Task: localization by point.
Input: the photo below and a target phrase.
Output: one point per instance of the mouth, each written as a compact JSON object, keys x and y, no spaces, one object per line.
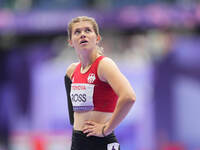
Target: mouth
{"x":83,"y":42}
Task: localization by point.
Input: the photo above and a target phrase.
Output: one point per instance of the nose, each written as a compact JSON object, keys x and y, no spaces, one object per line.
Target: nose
{"x":82,"y":35}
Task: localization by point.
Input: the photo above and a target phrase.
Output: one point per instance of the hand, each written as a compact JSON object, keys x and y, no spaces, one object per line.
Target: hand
{"x":92,"y":128}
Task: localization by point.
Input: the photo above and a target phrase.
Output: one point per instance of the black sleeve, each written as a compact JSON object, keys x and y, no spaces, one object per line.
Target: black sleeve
{"x":70,"y":108}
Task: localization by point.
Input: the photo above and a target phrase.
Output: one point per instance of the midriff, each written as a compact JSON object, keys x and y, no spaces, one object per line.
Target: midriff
{"x":96,"y":116}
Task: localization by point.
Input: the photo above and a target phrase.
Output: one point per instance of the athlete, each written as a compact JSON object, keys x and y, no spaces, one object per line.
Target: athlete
{"x":100,"y":95}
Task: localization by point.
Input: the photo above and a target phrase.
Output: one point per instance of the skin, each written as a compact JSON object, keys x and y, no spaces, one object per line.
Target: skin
{"x":92,"y":122}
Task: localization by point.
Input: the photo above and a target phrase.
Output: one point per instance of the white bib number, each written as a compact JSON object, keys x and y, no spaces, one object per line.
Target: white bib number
{"x":82,"y":96}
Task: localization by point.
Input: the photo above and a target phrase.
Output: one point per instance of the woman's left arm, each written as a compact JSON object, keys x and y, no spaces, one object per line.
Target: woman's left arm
{"x":109,"y":72}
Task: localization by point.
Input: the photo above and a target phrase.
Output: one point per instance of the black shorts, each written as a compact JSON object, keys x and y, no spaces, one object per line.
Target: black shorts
{"x":81,"y":142}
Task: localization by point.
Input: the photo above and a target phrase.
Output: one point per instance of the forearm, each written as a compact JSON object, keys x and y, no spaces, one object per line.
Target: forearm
{"x":121,"y":110}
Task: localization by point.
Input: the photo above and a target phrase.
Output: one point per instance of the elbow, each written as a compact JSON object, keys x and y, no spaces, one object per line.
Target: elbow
{"x":130,"y":98}
{"x":133,"y":98}
{"x":127,"y":96}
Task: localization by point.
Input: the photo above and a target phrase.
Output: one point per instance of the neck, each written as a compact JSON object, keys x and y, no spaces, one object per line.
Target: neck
{"x":88,"y":58}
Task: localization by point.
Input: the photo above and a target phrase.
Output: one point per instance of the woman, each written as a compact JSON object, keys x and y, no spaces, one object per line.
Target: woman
{"x":100,"y":94}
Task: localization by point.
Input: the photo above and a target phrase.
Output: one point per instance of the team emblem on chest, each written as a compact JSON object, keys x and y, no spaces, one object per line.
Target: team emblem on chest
{"x":91,"y":78}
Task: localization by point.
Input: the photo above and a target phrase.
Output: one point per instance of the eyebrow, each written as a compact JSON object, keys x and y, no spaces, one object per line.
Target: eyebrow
{"x":82,"y":28}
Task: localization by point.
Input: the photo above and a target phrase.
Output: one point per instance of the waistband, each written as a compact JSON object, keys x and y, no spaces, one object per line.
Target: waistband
{"x":85,"y":135}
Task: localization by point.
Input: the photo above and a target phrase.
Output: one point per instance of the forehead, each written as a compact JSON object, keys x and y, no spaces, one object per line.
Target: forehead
{"x":82,"y":24}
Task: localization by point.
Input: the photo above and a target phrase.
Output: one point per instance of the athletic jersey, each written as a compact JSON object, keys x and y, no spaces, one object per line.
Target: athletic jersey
{"x":88,"y":92}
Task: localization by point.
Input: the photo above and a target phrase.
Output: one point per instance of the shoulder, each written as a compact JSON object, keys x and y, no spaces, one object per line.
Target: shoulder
{"x":107,"y":67}
{"x":106,"y":62}
{"x":71,"y":69}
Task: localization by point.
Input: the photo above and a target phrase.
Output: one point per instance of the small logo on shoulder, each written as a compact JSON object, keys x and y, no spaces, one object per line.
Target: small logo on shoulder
{"x":91,"y":78}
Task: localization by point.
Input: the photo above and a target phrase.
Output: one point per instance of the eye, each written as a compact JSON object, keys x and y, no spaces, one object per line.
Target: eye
{"x":77,"y":31}
{"x":87,"y":30}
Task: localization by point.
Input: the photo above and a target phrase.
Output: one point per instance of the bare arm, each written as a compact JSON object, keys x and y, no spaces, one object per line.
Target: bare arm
{"x":68,"y":82}
{"x":70,"y":69}
{"x":109,"y":72}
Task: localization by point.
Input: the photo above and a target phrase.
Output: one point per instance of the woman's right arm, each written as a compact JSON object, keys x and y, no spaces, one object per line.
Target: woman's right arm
{"x":70,"y":69}
{"x":68,"y":83}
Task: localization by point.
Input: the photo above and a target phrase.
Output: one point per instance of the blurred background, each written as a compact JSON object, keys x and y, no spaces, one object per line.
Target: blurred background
{"x":155,"y":43}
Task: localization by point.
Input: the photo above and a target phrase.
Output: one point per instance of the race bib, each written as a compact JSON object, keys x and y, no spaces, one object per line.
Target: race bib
{"x":82,"y":96}
{"x":113,"y":146}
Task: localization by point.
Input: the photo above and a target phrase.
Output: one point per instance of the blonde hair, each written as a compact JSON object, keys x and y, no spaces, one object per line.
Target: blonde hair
{"x":89,"y":19}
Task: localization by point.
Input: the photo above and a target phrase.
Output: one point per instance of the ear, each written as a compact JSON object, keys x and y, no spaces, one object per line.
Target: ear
{"x":98,"y":38}
{"x":70,"y":43}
